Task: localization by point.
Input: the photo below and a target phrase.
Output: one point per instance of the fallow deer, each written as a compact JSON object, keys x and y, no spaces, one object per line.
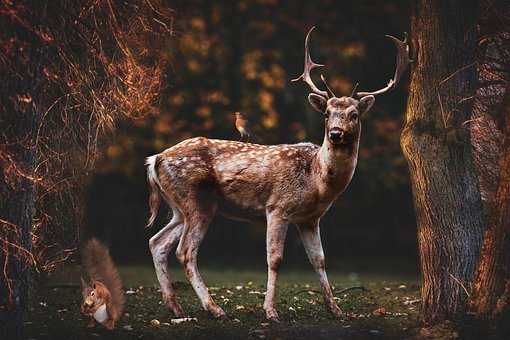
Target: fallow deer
{"x":279,"y":184}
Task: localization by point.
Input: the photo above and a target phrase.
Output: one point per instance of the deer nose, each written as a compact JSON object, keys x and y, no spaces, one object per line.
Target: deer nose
{"x":336,"y":135}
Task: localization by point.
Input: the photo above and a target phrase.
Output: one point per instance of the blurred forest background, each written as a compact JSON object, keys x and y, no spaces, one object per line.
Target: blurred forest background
{"x":229,"y":56}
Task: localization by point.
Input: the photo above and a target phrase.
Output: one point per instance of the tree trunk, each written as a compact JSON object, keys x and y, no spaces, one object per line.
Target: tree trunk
{"x":445,"y":185}
{"x":492,"y":281}
{"x":18,"y":204}
{"x":19,"y":210}
{"x":21,"y":97}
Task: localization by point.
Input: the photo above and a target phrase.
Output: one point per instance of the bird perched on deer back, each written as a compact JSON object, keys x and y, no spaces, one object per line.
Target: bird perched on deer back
{"x":243,"y":126}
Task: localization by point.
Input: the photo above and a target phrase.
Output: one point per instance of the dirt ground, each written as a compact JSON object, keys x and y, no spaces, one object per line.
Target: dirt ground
{"x":386,"y":308}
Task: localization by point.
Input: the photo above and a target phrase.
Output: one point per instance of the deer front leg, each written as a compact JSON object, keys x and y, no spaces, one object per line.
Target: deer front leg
{"x":311,"y":237}
{"x":161,"y":245}
{"x":276,"y":232}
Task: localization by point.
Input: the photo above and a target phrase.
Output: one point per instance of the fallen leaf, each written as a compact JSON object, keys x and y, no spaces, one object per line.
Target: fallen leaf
{"x":411,"y":302}
{"x":400,"y":314}
{"x":181,"y":320}
{"x":379,"y":311}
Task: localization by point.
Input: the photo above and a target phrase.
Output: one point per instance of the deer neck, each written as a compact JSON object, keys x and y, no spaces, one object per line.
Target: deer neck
{"x":334,"y":165}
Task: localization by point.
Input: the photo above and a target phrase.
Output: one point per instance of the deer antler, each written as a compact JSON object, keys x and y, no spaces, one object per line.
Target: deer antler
{"x":403,"y":62}
{"x":310,"y":65}
{"x":330,"y":91}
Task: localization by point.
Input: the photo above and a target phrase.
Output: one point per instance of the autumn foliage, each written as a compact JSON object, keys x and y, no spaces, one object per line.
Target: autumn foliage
{"x":70,"y":71}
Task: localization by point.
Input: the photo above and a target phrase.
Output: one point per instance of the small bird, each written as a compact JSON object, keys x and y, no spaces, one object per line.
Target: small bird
{"x":242,"y":125}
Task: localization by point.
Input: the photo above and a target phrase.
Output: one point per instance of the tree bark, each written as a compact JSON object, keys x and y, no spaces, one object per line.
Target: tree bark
{"x":491,"y":287}
{"x":444,"y":182}
{"x":20,"y":97}
{"x":18,"y":209}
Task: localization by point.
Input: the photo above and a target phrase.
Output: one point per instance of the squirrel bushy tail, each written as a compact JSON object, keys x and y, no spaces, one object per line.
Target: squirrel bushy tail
{"x":100,"y":267}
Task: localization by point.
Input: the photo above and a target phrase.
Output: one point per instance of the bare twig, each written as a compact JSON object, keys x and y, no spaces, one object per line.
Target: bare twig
{"x":460,"y":284}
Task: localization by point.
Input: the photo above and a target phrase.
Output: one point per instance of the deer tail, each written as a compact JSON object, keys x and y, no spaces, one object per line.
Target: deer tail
{"x":155,"y":196}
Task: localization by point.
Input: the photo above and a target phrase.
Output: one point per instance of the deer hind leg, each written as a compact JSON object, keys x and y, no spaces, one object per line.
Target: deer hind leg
{"x":161,"y":245}
{"x":310,"y":235}
{"x":275,"y":241}
{"x":197,"y":222}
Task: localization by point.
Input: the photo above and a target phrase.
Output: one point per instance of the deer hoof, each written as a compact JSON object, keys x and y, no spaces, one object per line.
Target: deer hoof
{"x":217,"y":312}
{"x":272,"y":315}
{"x":336,"y":311}
{"x":176,"y":309}
{"x":174,"y":306}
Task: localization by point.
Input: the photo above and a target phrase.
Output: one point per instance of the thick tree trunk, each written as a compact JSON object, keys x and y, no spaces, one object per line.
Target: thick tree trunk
{"x":491,"y":288}
{"x":20,"y":97}
{"x":17,"y":202}
{"x":18,"y":209}
{"x":445,"y":186}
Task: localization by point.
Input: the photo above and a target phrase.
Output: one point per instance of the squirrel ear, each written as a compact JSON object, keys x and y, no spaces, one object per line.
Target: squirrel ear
{"x":82,"y":282}
{"x":94,"y":285}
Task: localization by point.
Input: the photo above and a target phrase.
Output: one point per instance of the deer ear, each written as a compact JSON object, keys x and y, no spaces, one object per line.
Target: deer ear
{"x":365,"y":104}
{"x":318,"y":102}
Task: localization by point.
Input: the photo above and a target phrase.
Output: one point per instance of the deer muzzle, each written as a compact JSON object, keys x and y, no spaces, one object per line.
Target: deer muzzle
{"x":336,"y":135}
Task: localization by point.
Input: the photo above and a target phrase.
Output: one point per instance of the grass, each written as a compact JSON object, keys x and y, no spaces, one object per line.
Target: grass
{"x":389,"y":308}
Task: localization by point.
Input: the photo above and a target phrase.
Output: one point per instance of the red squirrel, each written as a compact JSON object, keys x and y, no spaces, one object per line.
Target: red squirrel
{"x":103,"y":296}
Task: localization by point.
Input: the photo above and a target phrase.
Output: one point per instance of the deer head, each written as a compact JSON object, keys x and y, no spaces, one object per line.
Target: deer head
{"x":342,"y":114}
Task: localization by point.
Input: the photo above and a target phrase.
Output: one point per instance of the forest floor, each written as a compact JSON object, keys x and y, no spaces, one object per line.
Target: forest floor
{"x":387,"y":309}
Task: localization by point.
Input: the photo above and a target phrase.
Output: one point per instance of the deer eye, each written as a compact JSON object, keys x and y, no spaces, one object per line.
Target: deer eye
{"x":354,"y":116}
